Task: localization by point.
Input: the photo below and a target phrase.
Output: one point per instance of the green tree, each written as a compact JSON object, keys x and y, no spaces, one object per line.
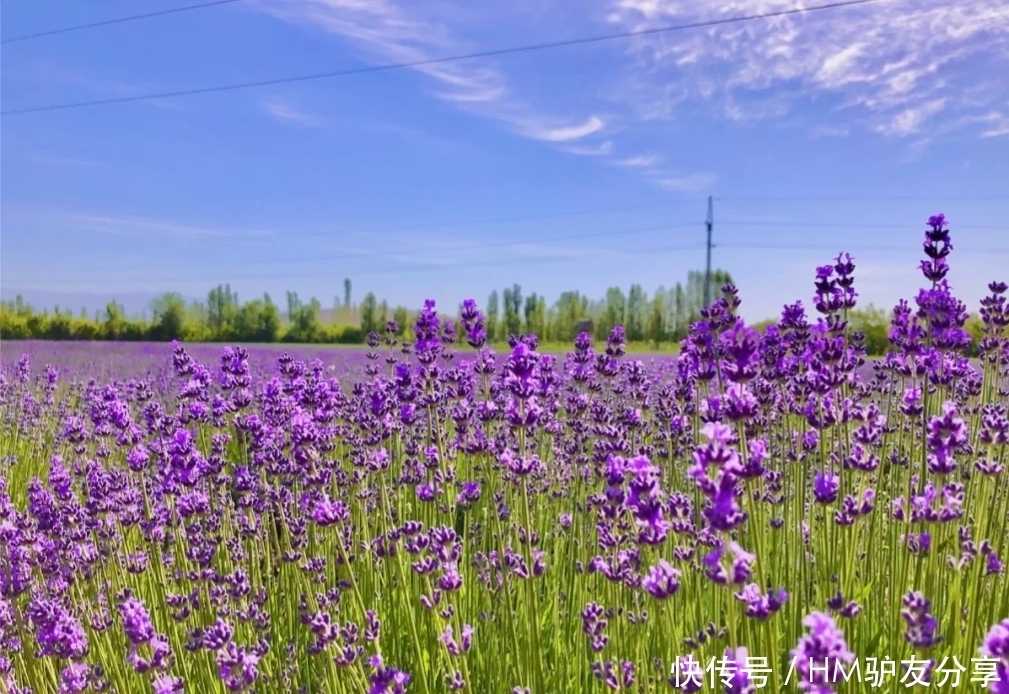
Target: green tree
{"x":874,"y":323}
{"x":492,"y":318}
{"x":695,"y":292}
{"x":247,"y":320}
{"x":527,"y":311}
{"x":370,"y":321}
{"x":534,"y":312}
{"x":681,"y":312}
{"x":258,"y":321}
{"x":634,"y":323}
{"x":656,"y":331}
{"x":570,"y":308}
{"x":614,"y":311}
{"x":269,"y":321}
{"x":293,"y":305}
{"x":975,"y":328}
{"x":59,"y":326}
{"x":346,"y":292}
{"x":513,"y":310}
{"x":115,"y":321}
{"x":222,"y":309}
{"x":402,"y":318}
{"x":305,"y":325}
{"x":169,"y":314}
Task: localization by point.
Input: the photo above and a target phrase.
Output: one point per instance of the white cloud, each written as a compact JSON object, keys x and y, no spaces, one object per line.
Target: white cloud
{"x":909,"y":121}
{"x":891,"y":63}
{"x":126,"y":225}
{"x":831,"y":131}
{"x":566,"y":133}
{"x":996,"y":124}
{"x":401,"y":32}
{"x":692,"y":183}
{"x":387,"y":31}
{"x":641,"y":161}
{"x":52,"y":74}
{"x":145,"y":226}
{"x":599,"y":150}
{"x":836,"y":69}
{"x":285,"y":112}
{"x":527,"y":251}
{"x":904,"y":68}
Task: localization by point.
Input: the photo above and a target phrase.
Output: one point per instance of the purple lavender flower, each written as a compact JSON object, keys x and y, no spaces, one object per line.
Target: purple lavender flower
{"x":453,"y":647}
{"x":136,"y":621}
{"x":426,"y":331}
{"x":58,"y":633}
{"x":945,"y":435}
{"x":237,"y":667}
{"x":758,"y":605}
{"x":739,"y":572}
{"x":662,"y":580}
{"x":74,"y":679}
{"x":166,"y":684}
{"x":996,"y":646}
{"x":594,"y":626}
{"x":736,"y":674}
{"x":329,"y":512}
{"x":819,"y":654}
{"x":825,"y":487}
{"x":386,"y":680}
{"x":937,"y":247}
{"x":921,"y":625}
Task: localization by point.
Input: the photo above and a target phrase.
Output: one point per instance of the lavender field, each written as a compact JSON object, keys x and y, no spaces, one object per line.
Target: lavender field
{"x":764,"y":511}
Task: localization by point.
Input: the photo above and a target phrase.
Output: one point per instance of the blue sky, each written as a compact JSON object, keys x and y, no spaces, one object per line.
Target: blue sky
{"x":574,"y":168}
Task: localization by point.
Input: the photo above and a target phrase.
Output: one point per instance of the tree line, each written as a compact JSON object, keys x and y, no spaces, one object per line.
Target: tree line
{"x":662,"y":318}
{"x":223,"y":317}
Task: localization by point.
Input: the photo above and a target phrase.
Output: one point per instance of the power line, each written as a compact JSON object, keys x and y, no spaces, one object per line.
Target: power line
{"x":434,"y":61}
{"x":513,"y":220}
{"x":846,"y":247}
{"x":426,"y":226}
{"x":843,"y":225}
{"x":313,"y":231}
{"x":862,"y":198}
{"x":549,"y":215}
{"x":459,"y":265}
{"x":425,"y":251}
{"x":120,"y":20}
{"x":566,"y":237}
{"x":465,"y":265}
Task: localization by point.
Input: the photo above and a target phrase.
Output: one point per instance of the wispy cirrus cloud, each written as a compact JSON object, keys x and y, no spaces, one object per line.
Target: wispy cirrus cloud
{"x":909,"y":120}
{"x":691,"y":183}
{"x":641,"y":161}
{"x":443,"y":251}
{"x":411,"y":259}
{"x":993,"y":123}
{"x":402,"y":32}
{"x":51,"y":74}
{"x":127,"y":225}
{"x":399,"y":31}
{"x":899,"y":67}
{"x":830,"y":131}
{"x":568,"y":133}
{"x":137,"y":225}
{"x":286,"y":112}
{"x":602,"y":149}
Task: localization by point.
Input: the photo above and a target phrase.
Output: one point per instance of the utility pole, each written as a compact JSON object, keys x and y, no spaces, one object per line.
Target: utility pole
{"x":707,"y":269}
